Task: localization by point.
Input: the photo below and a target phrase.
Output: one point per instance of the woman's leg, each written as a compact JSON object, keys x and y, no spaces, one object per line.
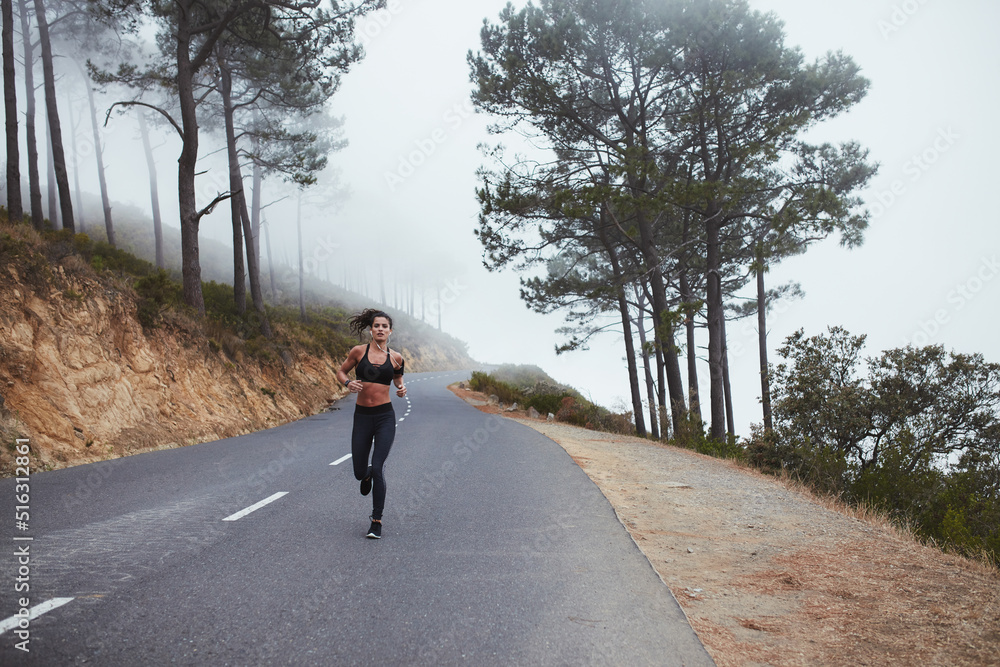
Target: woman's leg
{"x":361,"y":443}
{"x":385,"y":433}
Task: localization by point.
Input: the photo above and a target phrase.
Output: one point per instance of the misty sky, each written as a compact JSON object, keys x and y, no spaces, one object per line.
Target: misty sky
{"x":927,"y":273}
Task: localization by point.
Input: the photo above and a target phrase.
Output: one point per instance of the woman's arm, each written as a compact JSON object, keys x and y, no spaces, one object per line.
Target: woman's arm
{"x":397,"y":377}
{"x":353,"y":357}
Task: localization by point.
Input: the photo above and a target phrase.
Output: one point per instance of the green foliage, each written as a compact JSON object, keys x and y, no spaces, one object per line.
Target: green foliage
{"x":546,"y":403}
{"x":914,"y":432}
{"x":521,"y":375}
{"x":260,"y":348}
{"x":487,"y":384}
{"x":100,"y":254}
{"x":691,"y":434}
{"x":156,"y":291}
{"x":326,"y":330}
{"x":565,"y":404}
{"x":19,"y":253}
{"x":220,"y":301}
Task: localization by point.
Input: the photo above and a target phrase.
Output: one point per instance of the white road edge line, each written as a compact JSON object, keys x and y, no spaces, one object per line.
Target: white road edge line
{"x":33,"y":613}
{"x":340,"y":460}
{"x":256,"y":506}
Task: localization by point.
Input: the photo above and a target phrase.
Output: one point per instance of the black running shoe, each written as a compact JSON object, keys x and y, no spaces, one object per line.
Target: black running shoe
{"x":375,"y":532}
{"x":366,"y":483}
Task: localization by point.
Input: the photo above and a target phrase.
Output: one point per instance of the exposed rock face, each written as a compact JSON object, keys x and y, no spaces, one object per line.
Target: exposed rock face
{"x":81,"y":374}
{"x":88,"y":382}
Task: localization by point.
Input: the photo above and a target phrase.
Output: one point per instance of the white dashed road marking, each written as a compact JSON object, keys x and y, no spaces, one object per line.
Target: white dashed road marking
{"x":33,"y":613}
{"x":340,"y":460}
{"x":256,"y":506}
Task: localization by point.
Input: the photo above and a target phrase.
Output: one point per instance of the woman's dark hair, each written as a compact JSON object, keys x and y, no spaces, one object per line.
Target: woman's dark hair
{"x":365,"y":318}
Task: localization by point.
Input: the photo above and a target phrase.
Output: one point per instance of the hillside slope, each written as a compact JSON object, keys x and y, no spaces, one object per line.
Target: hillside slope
{"x":82,"y":378}
{"x":769,"y":573}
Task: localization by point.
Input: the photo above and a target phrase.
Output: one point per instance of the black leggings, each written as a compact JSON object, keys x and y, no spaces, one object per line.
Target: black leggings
{"x":378,"y":424}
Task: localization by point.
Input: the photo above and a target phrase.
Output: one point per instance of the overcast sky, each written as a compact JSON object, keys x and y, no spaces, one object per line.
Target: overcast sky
{"x":928,"y":270}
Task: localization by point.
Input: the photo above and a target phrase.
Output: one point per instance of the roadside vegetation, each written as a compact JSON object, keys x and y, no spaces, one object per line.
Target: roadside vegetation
{"x":911,"y":435}
{"x":530,"y":387}
{"x":41,"y":258}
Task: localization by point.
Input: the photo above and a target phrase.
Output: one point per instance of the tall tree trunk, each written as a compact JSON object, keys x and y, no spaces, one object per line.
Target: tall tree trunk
{"x":241,"y":216}
{"x":661,"y":384}
{"x":633,"y":371}
{"x":255,"y":228}
{"x":187,"y":163}
{"x":74,"y":127}
{"x":654,"y":422}
{"x":109,"y":225}
{"x":15,"y":210}
{"x":34,"y":181}
{"x":623,"y":309}
{"x":727,"y":387}
{"x":55,"y":129}
{"x":53,"y":209}
{"x":239,"y":200}
{"x":302,"y":270}
{"x":257,"y":180}
{"x":692,"y":357}
{"x":235,"y":184}
{"x":716,"y":335}
{"x":765,"y":383}
{"x":270,"y":260}
{"x":661,"y":323}
{"x":253,"y":267}
{"x":154,"y":190}
{"x":689,"y":301}
{"x":661,"y":370}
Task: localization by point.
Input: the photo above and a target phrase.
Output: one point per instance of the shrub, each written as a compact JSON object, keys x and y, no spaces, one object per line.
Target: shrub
{"x":116,"y":259}
{"x":487,"y":384}
{"x":156,"y":291}
{"x":546,"y":403}
{"x":571,"y":413}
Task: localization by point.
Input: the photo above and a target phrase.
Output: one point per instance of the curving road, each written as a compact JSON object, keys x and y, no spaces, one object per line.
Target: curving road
{"x":497,"y":550}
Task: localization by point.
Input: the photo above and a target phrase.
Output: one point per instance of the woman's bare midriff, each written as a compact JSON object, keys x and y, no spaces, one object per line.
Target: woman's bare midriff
{"x":373,"y":394}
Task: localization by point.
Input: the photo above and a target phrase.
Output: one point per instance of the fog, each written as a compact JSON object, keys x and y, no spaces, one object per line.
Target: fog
{"x":927,"y":272}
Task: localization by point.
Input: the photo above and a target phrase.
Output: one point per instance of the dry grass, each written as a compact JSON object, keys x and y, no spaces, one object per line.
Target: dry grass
{"x":811,"y":588}
{"x":876,"y":518}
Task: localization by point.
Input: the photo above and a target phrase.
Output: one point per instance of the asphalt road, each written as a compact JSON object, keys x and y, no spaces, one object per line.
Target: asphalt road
{"x":497,"y":550}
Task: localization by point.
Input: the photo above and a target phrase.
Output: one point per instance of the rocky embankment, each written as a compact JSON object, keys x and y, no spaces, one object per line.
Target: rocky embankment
{"x":84,"y":381}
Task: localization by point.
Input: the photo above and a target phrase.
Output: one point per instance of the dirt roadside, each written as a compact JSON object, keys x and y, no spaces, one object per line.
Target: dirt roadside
{"x":771,"y":575}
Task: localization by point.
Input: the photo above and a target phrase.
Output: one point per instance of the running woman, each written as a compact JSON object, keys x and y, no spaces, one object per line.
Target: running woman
{"x":375,"y":367}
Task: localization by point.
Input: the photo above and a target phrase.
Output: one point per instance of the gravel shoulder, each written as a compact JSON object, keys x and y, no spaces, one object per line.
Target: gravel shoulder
{"x":772,"y":575}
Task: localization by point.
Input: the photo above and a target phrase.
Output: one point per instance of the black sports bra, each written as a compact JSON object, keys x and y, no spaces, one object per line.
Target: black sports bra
{"x":366,"y":371}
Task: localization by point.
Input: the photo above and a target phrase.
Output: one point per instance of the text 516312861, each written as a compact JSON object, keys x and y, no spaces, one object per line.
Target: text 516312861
{"x":22,"y":541}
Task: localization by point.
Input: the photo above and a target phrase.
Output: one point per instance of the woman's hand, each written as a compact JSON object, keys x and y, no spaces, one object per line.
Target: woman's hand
{"x":401,"y":391}
{"x":354,"y":386}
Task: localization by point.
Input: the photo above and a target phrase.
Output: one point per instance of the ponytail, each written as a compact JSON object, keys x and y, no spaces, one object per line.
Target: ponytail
{"x":365,"y":318}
